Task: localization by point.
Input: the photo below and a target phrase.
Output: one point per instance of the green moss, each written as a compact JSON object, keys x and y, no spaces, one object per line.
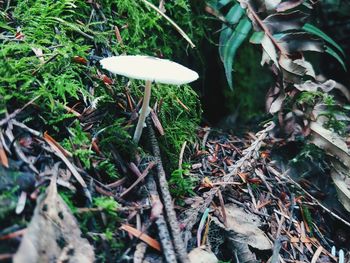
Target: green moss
{"x":108,"y":204}
{"x":73,"y":35}
{"x":179,"y":123}
{"x":182,"y":182}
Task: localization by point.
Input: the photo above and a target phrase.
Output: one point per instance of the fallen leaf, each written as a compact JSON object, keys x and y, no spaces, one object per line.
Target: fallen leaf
{"x":140,"y":235}
{"x":70,"y":166}
{"x":53,"y":233}
{"x":277,"y":103}
{"x":21,"y":203}
{"x":3,"y":157}
{"x":245,"y":227}
{"x":39,"y":54}
{"x":335,"y":146}
{"x":80,"y":60}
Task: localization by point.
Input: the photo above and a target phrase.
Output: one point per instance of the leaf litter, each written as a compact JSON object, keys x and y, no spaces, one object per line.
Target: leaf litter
{"x":255,"y":210}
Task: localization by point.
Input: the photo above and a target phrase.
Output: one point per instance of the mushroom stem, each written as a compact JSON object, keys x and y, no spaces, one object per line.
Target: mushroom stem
{"x":143,"y":113}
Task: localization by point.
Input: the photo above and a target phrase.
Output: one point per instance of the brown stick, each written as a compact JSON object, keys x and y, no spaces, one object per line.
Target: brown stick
{"x":143,"y":175}
{"x":168,"y":204}
{"x":163,"y":232}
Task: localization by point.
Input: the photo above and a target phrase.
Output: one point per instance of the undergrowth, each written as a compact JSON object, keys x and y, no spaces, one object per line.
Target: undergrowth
{"x":49,"y":50}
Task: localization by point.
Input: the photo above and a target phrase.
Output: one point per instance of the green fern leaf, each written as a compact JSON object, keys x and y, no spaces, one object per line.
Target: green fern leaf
{"x":334,"y":54}
{"x":316,"y":31}
{"x":229,"y":48}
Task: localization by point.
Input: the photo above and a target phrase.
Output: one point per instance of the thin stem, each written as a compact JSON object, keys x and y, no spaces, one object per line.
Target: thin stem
{"x":143,"y":113}
{"x":266,"y":30}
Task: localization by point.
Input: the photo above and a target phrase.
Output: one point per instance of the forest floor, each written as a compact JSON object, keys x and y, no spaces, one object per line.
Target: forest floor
{"x":234,"y":201}
{"x":75,"y":187}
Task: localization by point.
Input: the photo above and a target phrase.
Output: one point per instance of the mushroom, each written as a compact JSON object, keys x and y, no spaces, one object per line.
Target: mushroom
{"x":150,"y":69}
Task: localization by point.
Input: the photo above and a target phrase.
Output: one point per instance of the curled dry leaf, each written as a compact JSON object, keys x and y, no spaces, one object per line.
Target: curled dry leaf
{"x":341,"y":179}
{"x":53,"y":233}
{"x":244,"y":228}
{"x":331,"y":142}
{"x":277,"y":103}
{"x":269,"y":49}
{"x":294,"y":70}
{"x":312,"y":86}
{"x":335,"y":146}
{"x":287,"y":5}
{"x":299,"y":42}
{"x":281,"y":22}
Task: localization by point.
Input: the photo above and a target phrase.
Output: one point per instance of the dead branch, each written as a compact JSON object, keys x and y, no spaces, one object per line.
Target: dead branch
{"x":164,"y":189}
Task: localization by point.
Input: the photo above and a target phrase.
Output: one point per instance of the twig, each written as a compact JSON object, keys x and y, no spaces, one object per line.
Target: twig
{"x":241,"y":165}
{"x":139,"y":253}
{"x":163,"y":232}
{"x":201,"y":226}
{"x":313,"y":198}
{"x":168,"y":204}
{"x":276,"y":250}
{"x":182,"y":154}
{"x":13,"y":114}
{"x":143,"y":175}
{"x":223,"y":210}
{"x":69,"y":165}
{"x":266,"y":30}
{"x":182,"y":33}
{"x":205,"y":137}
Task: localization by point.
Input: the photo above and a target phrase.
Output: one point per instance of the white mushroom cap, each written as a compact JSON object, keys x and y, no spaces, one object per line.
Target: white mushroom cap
{"x":149,"y":68}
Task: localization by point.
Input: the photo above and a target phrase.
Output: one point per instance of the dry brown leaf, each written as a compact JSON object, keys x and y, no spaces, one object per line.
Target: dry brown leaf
{"x":157,"y":123}
{"x":331,"y":142}
{"x":53,"y":233}
{"x":3,"y":157}
{"x":70,"y":166}
{"x":311,"y":86}
{"x":47,"y":137}
{"x":317,"y":254}
{"x":144,"y":237}
{"x":335,"y":146}
{"x":246,"y":226}
{"x":341,"y":179}
{"x":277,"y":103}
{"x":287,"y":5}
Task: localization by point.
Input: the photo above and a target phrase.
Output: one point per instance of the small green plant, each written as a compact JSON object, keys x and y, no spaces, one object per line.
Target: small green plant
{"x":79,"y":144}
{"x":335,"y":113}
{"x":108,"y":204}
{"x":108,"y":168}
{"x":182,"y":182}
{"x":308,"y":218}
{"x":309,"y":153}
